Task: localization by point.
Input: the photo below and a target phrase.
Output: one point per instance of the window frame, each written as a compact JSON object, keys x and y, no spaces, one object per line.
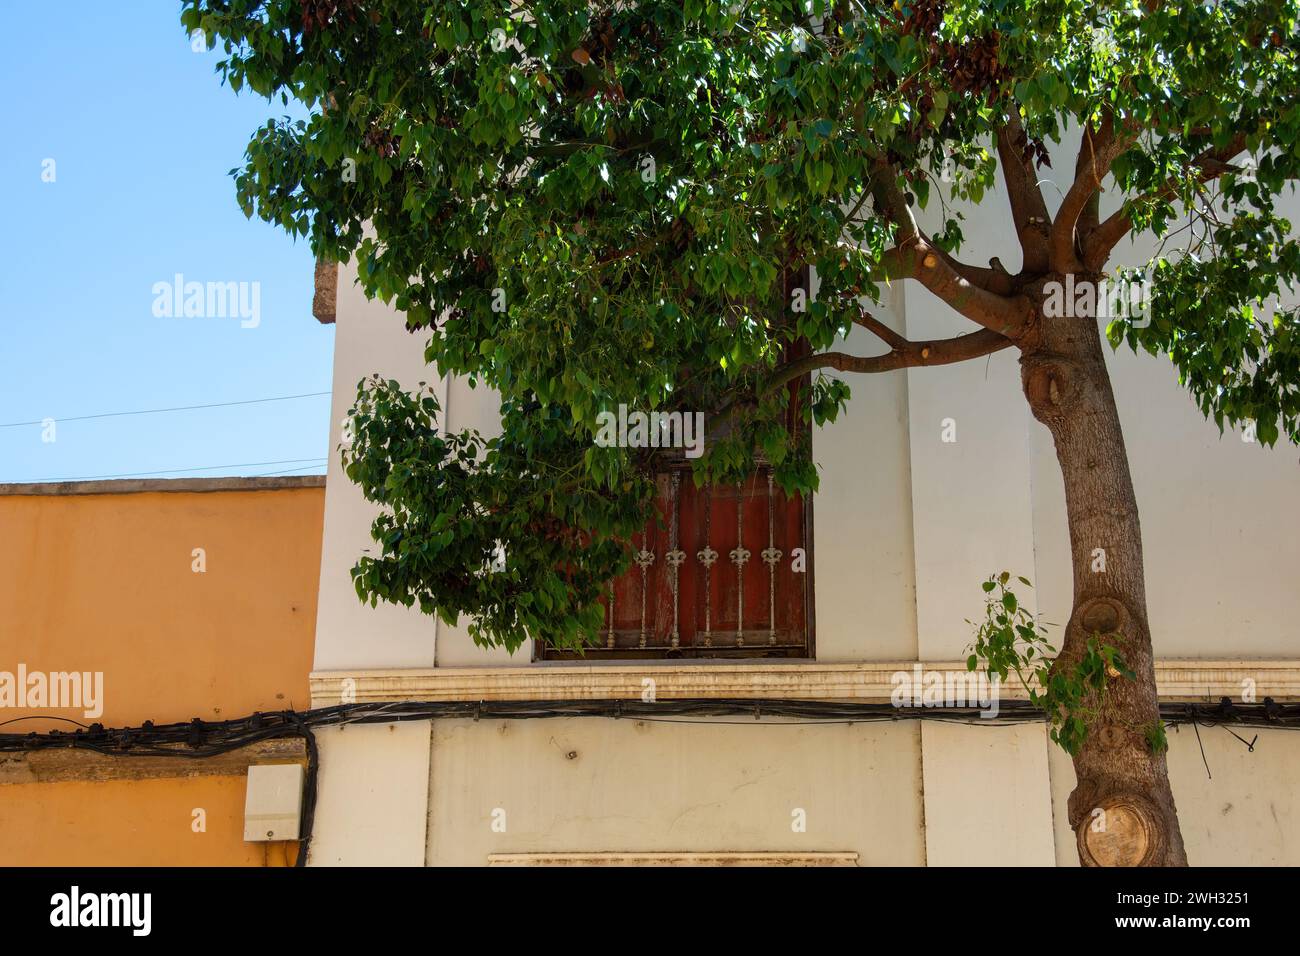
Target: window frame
{"x":545,"y":653}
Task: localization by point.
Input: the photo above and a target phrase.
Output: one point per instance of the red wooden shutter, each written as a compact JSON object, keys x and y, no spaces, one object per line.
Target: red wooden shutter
{"x":717,"y":575}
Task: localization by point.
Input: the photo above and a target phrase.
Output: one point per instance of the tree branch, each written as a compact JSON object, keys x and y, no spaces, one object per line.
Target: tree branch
{"x":1028,"y":210}
{"x":907,"y":354}
{"x":880,"y":329}
{"x":913,"y":257}
{"x":997,"y":280}
{"x":1097,"y":153}
{"x":1101,"y":241}
{"x":1009,"y":316}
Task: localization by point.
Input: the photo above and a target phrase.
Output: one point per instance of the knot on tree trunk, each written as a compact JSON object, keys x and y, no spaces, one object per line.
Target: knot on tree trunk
{"x":1052,"y":385}
{"x":1118,"y":828}
{"x":1095,"y":615}
{"x":1102,"y":615}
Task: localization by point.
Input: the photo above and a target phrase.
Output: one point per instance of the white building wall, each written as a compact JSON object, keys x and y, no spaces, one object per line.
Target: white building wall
{"x":864,"y":571}
{"x":1236,"y":807}
{"x":987,"y":795}
{"x":605,"y":785}
{"x":371,"y":338}
{"x":373,"y":786}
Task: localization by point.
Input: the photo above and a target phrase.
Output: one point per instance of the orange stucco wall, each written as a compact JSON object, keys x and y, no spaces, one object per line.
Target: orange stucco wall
{"x":107,"y":583}
{"x":131,"y":823}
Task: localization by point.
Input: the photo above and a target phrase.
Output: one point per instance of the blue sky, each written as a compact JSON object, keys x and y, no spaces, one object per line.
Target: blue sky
{"x":143,"y":135}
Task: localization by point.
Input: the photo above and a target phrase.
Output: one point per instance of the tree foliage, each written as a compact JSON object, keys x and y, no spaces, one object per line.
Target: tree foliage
{"x":1011,"y":641}
{"x":588,"y":204}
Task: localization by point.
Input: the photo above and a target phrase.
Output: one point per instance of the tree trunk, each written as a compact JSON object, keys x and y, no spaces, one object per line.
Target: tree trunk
{"x":1122,"y":809}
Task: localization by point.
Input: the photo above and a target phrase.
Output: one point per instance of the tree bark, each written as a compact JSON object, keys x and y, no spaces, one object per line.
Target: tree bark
{"x":1122,"y":808}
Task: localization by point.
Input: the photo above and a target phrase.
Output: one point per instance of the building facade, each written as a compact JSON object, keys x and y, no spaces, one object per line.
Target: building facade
{"x":933,"y":480}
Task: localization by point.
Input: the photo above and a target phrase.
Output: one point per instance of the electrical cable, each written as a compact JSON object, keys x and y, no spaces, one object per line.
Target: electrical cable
{"x":290,"y":471}
{"x":156,"y":411}
{"x":168,"y":471}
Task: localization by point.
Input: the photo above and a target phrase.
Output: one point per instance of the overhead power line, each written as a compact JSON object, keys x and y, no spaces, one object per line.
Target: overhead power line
{"x":156,"y":411}
{"x":168,"y":471}
{"x":290,"y":471}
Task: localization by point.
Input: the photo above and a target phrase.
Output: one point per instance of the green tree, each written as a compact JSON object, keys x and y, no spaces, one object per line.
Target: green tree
{"x":587,"y":203}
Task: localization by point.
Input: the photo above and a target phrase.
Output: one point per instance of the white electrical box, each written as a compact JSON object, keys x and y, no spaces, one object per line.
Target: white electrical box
{"x":273,"y":802}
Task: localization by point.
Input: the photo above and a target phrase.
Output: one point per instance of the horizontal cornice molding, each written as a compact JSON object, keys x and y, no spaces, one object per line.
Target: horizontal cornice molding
{"x":136,"y":486}
{"x":62,"y":764}
{"x":756,"y":858}
{"x":1190,"y":680}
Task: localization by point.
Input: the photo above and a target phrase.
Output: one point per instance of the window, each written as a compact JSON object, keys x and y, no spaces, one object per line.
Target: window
{"x":726,"y":572}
